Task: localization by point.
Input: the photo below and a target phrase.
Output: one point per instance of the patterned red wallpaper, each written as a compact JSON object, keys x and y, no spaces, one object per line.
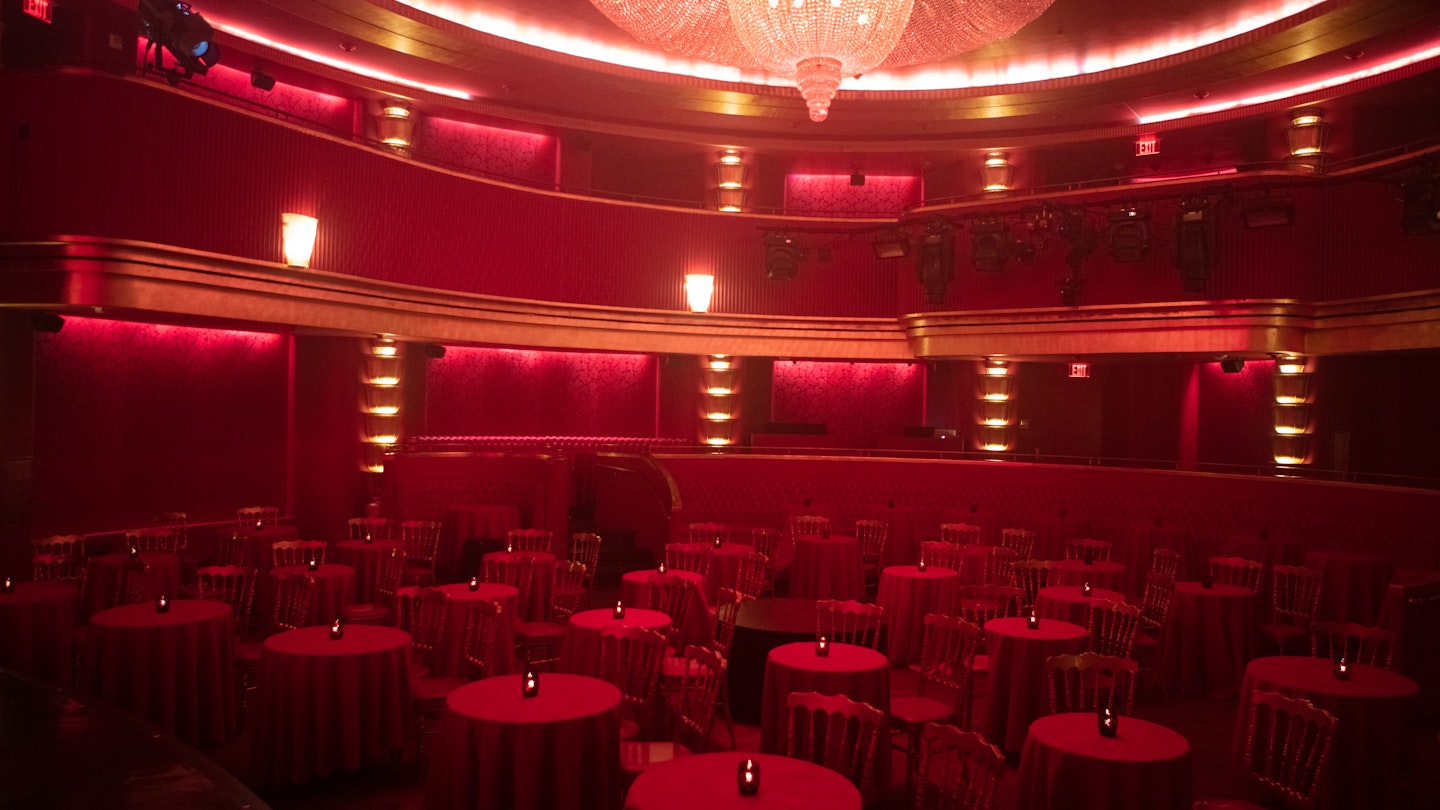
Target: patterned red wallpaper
{"x":1237,"y":414}
{"x":834,"y":194}
{"x":477,"y":391}
{"x":499,"y":153}
{"x":334,"y":113}
{"x":859,"y":402}
{"x":136,"y":419}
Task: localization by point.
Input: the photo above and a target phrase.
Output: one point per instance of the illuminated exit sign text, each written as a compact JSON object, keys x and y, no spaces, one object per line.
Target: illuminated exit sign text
{"x":1147,"y":145}
{"x":1079,"y":369}
{"x":39,"y":9}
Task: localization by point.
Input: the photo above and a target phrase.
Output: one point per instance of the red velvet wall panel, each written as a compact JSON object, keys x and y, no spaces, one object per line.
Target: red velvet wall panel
{"x":136,"y":419}
{"x":472,"y":391}
{"x":335,"y":114}
{"x":835,"y":194}
{"x":1237,"y":415}
{"x":499,"y":153}
{"x":857,"y":402}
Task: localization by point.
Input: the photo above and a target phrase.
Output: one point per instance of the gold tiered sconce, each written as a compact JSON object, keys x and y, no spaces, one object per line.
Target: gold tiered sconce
{"x":379,"y":401}
{"x":994,"y":406}
{"x":1293,"y":394}
{"x":719,"y":400}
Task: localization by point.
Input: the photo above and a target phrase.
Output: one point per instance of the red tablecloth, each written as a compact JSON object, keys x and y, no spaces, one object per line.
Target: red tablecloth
{"x":827,"y":568}
{"x":449,"y":657}
{"x":858,"y":673}
{"x":972,"y":569}
{"x":498,"y":750}
{"x":1017,"y":690}
{"x":1067,"y":765}
{"x":1211,"y":636}
{"x":542,"y":586}
{"x":1354,"y":584}
{"x":1270,"y":550}
{"x":1065,"y":603}
{"x":489,"y":521}
{"x":580,"y":649}
{"x":1109,"y":575}
{"x":175,"y":669}
{"x":333,"y":586}
{"x":1369,"y":710}
{"x":102,"y":574}
{"x":365,"y":559}
{"x":699,"y":627}
{"x":259,"y":555}
{"x":785,"y":784}
{"x":330,"y":705}
{"x":907,"y":594}
{"x":37,"y":622}
{"x":724,"y":567}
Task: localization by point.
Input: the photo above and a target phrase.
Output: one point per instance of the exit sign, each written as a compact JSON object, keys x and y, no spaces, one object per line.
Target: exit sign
{"x":39,"y":9}
{"x":1147,"y":145}
{"x":1079,"y":369}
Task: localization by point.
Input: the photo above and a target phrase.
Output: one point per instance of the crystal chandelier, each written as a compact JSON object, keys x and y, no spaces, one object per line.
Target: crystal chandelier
{"x":816,"y":42}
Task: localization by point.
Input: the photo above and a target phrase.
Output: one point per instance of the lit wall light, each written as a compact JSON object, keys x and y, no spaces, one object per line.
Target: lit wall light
{"x":1292,"y":389}
{"x":998,"y":172}
{"x":1306,"y":138}
{"x":1291,"y":450}
{"x":719,"y":362}
{"x":731,"y":175}
{"x":1290,"y":365}
{"x":297,"y":238}
{"x":1292,"y":419}
{"x":719,"y":405}
{"x":384,"y":347}
{"x":395,"y":126}
{"x":382,"y":370}
{"x":996,"y":368}
{"x":699,"y":288}
{"x":993,"y":413}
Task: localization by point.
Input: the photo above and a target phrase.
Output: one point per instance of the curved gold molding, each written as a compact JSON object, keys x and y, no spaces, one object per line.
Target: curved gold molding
{"x":139,"y":280}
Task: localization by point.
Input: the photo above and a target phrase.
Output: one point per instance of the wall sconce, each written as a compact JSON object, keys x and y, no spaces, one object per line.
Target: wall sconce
{"x":992,"y":409}
{"x":719,"y":403}
{"x":993,"y":413}
{"x":699,"y":287}
{"x":1289,"y":365}
{"x":395,"y":125}
{"x":1291,"y":450}
{"x":380,"y":400}
{"x":998,"y":172}
{"x":730,"y":177}
{"x":1292,"y":389}
{"x":994,"y":389}
{"x":1292,"y":419}
{"x":995,"y":367}
{"x":297,"y":238}
{"x":1291,"y":442}
{"x":1306,"y":139}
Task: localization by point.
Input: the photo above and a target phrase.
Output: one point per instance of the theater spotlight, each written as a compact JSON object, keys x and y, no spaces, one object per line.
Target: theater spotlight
{"x":260,"y":80}
{"x":1129,"y":234}
{"x":1196,"y":243}
{"x":1421,"y":211}
{"x":935,"y":266}
{"x":989,"y":245}
{"x":892,"y":245}
{"x":782,"y":255}
{"x":182,"y":32}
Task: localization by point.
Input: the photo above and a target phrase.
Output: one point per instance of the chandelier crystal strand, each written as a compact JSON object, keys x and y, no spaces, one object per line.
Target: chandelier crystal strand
{"x":819,"y":41}
{"x":699,"y":29}
{"x":940,"y":29}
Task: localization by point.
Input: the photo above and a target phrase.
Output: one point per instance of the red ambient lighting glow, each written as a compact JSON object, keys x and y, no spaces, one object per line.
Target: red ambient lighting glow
{"x":39,"y":9}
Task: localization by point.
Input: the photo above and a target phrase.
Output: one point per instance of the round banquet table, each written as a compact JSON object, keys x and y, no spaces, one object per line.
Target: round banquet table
{"x":365,"y":559}
{"x":329,"y":705}
{"x":699,"y":627}
{"x":499,"y":750}
{"x":1270,"y":550}
{"x":333,"y":585}
{"x":449,"y":657}
{"x":537,"y":607}
{"x":1018,"y":692}
{"x":785,"y":784}
{"x":1064,"y":602}
{"x":761,"y":626}
{"x":1100,"y":574}
{"x":37,"y":622}
{"x":1067,"y":765}
{"x":972,"y":565}
{"x":1211,"y":635}
{"x":1370,"y":713}
{"x":102,"y":575}
{"x":175,"y":669}
{"x":1354,"y":584}
{"x":858,"y":673}
{"x":907,"y":594}
{"x":827,"y":568}
{"x":724,"y":567}
{"x":580,"y":649}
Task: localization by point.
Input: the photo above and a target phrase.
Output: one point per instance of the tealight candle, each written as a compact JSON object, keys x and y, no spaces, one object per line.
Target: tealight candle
{"x":1085,"y":589}
{"x":162,"y":605}
{"x":474,"y":583}
{"x":718,"y":541}
{"x":313,"y":564}
{"x":748,"y":777}
{"x":369,"y":538}
{"x":822,"y":645}
{"x":661,"y":569}
{"x":259,"y":524}
{"x":1032,"y":621}
{"x":1342,"y":669}
{"x":337,"y":631}
{"x":530,"y":683}
{"x":619,"y":610}
{"x":134,"y":552}
{"x":1109,"y":723}
{"x":509,"y":548}
{"x":8,"y":586}
{"x":921,"y":565}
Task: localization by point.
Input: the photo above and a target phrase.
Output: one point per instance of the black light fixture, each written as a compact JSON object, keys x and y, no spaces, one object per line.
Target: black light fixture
{"x":857,"y":179}
{"x":782,"y":255}
{"x":260,"y":80}
{"x":935,"y":266}
{"x":182,"y":32}
{"x":1421,"y":212}
{"x":1269,"y":214}
{"x":1196,"y":242}
{"x":1128,"y":234}
{"x":1232,"y":365}
{"x":892,"y":245}
{"x":989,"y":245}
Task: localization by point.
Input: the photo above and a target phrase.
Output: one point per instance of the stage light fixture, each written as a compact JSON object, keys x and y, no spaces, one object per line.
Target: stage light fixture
{"x":782,"y":255}
{"x":892,"y":245}
{"x":1269,"y":214}
{"x":989,"y":245}
{"x":1128,"y":234}
{"x":1232,"y":365}
{"x":935,"y":266}
{"x":1196,"y":243}
{"x":260,"y":80}
{"x":1421,"y":212}
{"x":857,"y":179}
{"x":182,"y":32}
